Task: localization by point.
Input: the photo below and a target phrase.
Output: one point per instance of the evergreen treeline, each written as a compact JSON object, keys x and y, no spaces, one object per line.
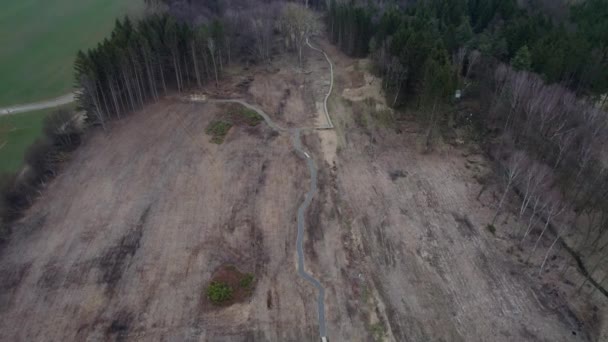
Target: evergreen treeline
{"x":140,"y":62}
{"x":574,"y":53}
{"x":350,"y":27}
{"x":413,"y":58}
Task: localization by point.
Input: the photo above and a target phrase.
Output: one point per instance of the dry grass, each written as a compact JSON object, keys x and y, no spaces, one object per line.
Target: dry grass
{"x":397,"y":238}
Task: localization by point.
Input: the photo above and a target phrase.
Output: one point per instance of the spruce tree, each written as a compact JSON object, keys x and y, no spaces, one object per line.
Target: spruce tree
{"x":522,"y":59}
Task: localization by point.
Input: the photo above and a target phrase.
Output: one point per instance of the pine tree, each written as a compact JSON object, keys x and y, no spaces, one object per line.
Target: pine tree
{"x":463,"y":33}
{"x":522,"y":59}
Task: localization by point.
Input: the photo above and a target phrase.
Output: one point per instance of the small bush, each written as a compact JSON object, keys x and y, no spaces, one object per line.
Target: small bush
{"x":378,"y":331}
{"x":218,"y":131}
{"x":40,"y":157}
{"x":385,"y":118}
{"x":394,"y":175}
{"x":491,"y":229}
{"x":62,"y":129}
{"x":4,"y":231}
{"x":247,"y":281}
{"x":219,"y":292}
{"x":251,"y":116}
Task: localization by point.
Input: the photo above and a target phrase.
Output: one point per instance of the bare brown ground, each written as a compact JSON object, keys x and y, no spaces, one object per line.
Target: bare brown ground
{"x":414,"y":243}
{"x":285,"y":93}
{"x":122,"y":244}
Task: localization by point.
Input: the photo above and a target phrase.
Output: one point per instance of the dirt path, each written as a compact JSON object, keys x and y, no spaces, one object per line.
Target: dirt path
{"x":331,"y":84}
{"x":312,"y":167}
{"x":56,"y":102}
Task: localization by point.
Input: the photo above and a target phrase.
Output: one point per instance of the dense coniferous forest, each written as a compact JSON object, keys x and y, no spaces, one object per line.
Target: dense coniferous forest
{"x":187,"y":46}
{"x":573,"y":53}
{"x":142,"y":61}
{"x":540,"y":84}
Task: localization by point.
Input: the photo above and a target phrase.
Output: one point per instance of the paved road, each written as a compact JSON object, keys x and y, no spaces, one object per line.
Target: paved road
{"x":312,"y":167}
{"x":301,"y":222}
{"x":57,"y":102}
{"x":331,"y":85}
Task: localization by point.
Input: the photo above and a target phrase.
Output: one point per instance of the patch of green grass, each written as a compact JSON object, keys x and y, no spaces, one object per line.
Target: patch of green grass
{"x":17,"y":133}
{"x":218,"y":130}
{"x":40,"y":40}
{"x":247,"y":281}
{"x":385,"y":118}
{"x":378,"y":331}
{"x":365,"y":295}
{"x":251,"y":116}
{"x":361,"y":119}
{"x":219,"y":292}
{"x":491,"y":229}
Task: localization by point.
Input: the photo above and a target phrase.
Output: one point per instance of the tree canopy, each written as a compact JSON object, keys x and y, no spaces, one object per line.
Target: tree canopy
{"x":574,"y":53}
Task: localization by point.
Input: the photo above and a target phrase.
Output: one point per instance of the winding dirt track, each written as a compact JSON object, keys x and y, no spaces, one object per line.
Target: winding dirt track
{"x":312,"y":167}
{"x":52,"y":103}
{"x":330,"y":125}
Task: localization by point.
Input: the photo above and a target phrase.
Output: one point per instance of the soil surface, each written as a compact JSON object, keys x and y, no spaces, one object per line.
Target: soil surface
{"x":123,"y":243}
{"x":131,"y":231}
{"x":414,"y":241}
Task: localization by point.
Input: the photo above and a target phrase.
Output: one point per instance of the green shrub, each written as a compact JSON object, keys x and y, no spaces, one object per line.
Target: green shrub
{"x":247,"y":281}
{"x":378,"y":331}
{"x":491,"y":228}
{"x":385,"y":118}
{"x":218,"y":130}
{"x":4,"y":231}
{"x":251,"y":116}
{"x":219,"y":292}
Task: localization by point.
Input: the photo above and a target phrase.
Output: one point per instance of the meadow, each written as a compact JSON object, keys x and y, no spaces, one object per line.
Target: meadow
{"x":39,"y":42}
{"x":18,"y":132}
{"x":40,"y":39}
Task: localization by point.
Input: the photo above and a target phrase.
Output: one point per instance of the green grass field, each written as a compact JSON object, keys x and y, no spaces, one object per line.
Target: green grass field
{"x":40,"y":40}
{"x":17,"y":133}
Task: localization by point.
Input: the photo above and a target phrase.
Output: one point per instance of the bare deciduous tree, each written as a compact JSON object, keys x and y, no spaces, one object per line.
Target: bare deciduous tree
{"x":513,"y":168}
{"x":397,"y":73}
{"x":297,"y":24}
{"x":554,"y":208}
{"x":534,"y":179}
{"x":537,"y":208}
